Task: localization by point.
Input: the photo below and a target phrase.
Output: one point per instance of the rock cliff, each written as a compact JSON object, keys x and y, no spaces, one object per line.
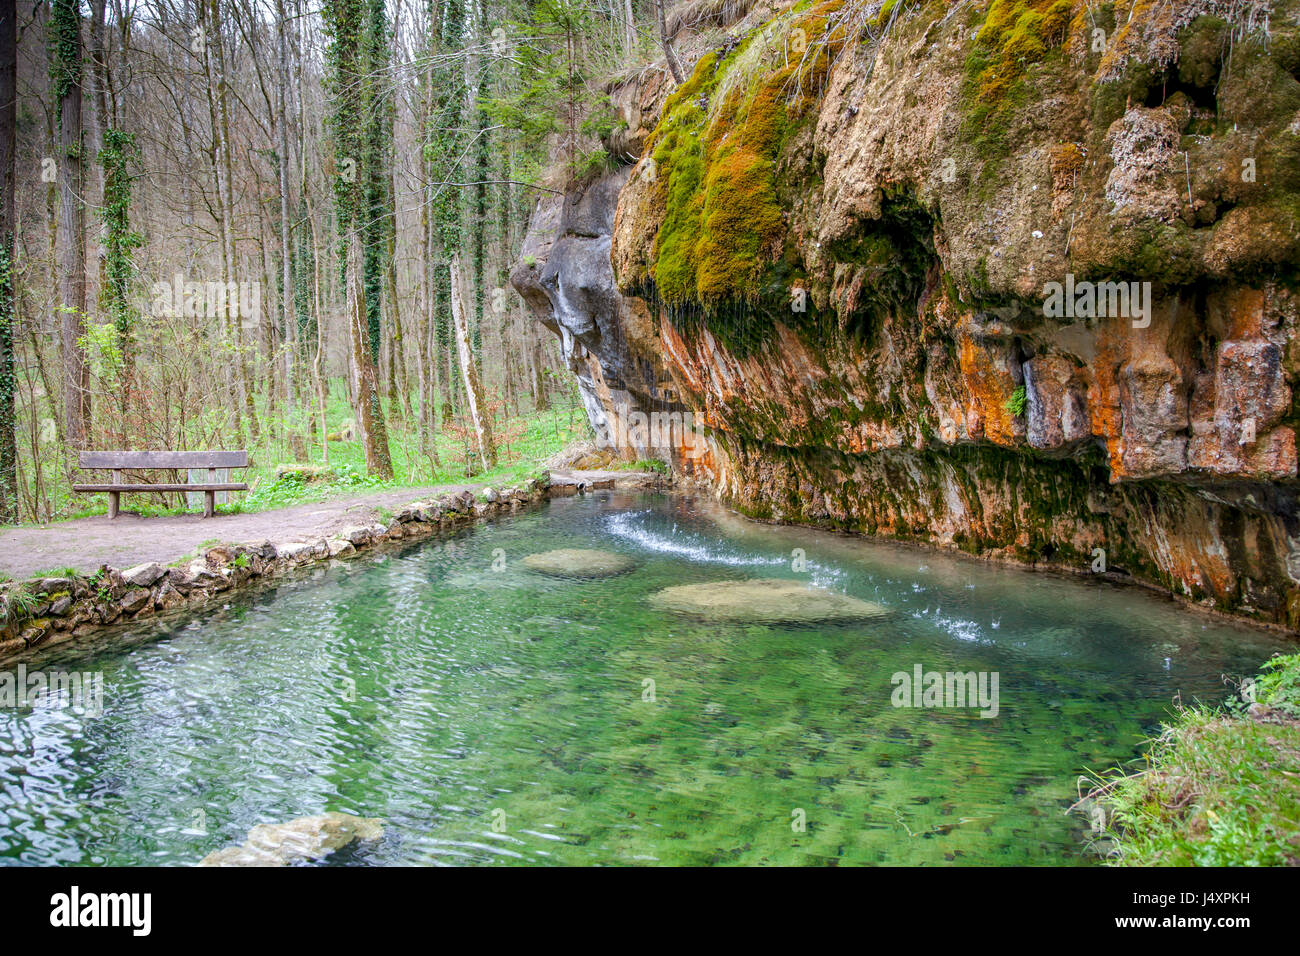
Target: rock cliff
{"x":1020,"y":278}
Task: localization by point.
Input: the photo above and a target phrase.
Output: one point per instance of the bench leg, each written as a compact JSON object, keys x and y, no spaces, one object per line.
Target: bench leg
{"x":209,"y":503}
{"x":114,"y":497}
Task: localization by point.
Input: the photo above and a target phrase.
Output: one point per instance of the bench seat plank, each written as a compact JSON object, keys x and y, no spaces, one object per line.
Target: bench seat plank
{"x":120,"y":461}
{"x":207,"y":486}
{"x":163,"y":459}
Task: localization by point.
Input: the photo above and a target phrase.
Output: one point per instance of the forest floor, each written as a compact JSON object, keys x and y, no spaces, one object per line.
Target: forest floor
{"x":83,"y":544}
{"x":524,"y":441}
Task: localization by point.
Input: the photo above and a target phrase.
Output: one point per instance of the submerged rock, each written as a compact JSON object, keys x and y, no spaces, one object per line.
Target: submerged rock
{"x":307,"y":838}
{"x":579,"y":562}
{"x":765,"y":601}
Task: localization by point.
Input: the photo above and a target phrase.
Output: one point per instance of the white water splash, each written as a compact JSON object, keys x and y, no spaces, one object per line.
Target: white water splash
{"x":686,"y":544}
{"x":704,"y":549}
{"x":960,"y":628}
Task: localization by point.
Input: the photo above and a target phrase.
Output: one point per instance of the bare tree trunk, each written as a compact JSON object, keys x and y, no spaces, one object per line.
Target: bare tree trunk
{"x":473,"y":390}
{"x":228,"y":204}
{"x":267,"y":342}
{"x":215,"y":86}
{"x":505,"y":317}
{"x":629,"y":28}
{"x":425,"y":420}
{"x":399,"y":398}
{"x":537,"y":359}
{"x":674,"y":67}
{"x":318,"y":370}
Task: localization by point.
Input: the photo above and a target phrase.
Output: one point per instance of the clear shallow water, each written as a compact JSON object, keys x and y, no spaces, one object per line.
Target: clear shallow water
{"x":428,"y":689}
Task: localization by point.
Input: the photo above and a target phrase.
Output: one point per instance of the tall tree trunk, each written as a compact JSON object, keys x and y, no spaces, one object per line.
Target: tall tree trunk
{"x":226,"y":182}
{"x":399,"y":396}
{"x":370,"y":415}
{"x":629,"y":29}
{"x":101,"y":122}
{"x":425,"y":367}
{"x":8,"y":291}
{"x":482,"y":173}
{"x":65,"y":22}
{"x":318,"y":361}
{"x":674,"y":67}
{"x":444,"y":357}
{"x":503,"y":297}
{"x":215,"y":87}
{"x":286,"y":247}
{"x":537,"y":361}
{"x":473,"y":389}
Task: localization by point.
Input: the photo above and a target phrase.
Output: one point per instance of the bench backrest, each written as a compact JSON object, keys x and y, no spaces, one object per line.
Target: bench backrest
{"x":163,"y":459}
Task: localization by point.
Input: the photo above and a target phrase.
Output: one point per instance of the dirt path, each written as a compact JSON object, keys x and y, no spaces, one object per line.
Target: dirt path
{"x":128,"y":540}
{"x":86,"y":543}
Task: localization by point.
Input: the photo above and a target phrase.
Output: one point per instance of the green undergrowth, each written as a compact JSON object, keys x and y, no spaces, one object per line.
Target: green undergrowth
{"x":533,"y":437}
{"x":1221,"y":787}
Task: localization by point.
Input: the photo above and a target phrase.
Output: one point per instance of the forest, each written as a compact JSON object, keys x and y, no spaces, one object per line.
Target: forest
{"x":253,"y":223}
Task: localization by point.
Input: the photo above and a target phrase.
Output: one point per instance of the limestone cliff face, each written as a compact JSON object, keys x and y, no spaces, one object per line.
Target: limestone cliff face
{"x":1019,"y":278}
{"x":565,"y":277}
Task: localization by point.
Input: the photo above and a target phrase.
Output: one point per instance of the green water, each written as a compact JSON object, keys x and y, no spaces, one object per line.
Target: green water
{"x":491,"y":715}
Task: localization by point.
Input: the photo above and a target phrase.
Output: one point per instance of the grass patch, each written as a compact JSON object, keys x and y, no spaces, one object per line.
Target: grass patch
{"x":525,"y":442}
{"x":1221,"y":786}
{"x":64,"y":572}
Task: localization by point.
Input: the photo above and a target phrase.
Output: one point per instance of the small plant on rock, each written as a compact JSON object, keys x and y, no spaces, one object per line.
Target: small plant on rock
{"x":1017,"y":402}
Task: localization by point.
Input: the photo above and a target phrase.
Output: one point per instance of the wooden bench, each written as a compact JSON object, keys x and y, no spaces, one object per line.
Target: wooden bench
{"x":120,"y":461}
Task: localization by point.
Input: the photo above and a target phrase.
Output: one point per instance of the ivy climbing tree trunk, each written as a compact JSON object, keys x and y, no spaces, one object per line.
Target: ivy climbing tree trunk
{"x":477,"y":65}
{"x":65,"y":73}
{"x":8,"y":290}
{"x":118,"y":157}
{"x":445,"y":170}
{"x":352,"y":26}
{"x":288,"y":290}
{"x":469,"y":370}
{"x":365,"y":379}
{"x":426,"y":368}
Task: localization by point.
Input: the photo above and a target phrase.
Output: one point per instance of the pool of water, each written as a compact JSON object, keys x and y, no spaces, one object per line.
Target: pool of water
{"x":493,"y":715}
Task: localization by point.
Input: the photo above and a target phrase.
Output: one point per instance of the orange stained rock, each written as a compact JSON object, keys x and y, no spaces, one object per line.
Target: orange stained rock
{"x":1105,"y":414}
{"x":1245,"y":313}
{"x":988,"y":390}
